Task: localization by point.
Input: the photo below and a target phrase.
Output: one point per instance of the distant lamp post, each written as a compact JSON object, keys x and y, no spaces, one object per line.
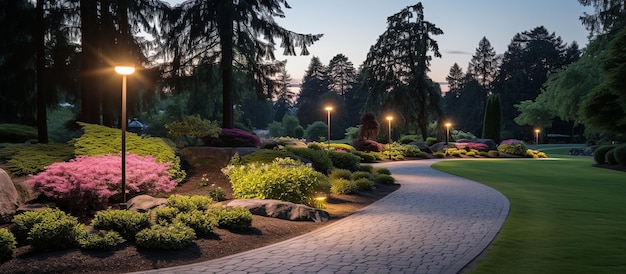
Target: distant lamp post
{"x":328,"y":109}
{"x":124,"y":71}
{"x":448,"y":125}
{"x":389,"y":118}
{"x":537,"y":137}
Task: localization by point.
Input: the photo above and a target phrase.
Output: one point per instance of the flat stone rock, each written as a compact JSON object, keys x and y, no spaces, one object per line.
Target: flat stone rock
{"x":282,"y":210}
{"x":8,"y":197}
{"x":143,"y":203}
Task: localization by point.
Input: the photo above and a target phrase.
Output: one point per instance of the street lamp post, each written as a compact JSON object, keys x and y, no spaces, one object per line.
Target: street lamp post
{"x":537,"y":138}
{"x":124,"y":71}
{"x":389,"y":118}
{"x":328,"y":109}
{"x":447,"y":131}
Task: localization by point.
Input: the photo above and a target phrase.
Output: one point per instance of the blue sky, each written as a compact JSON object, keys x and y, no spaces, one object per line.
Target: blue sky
{"x":351,"y":27}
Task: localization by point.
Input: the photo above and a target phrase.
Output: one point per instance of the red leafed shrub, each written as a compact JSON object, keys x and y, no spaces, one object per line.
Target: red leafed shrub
{"x":87,"y":183}
{"x":368,"y":145}
{"x":233,"y":137}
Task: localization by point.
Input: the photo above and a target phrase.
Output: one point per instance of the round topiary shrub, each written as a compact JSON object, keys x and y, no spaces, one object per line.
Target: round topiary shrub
{"x":344,"y":160}
{"x":232,"y":217}
{"x":317,"y":131}
{"x":340,"y":174}
{"x":599,"y":155}
{"x":7,"y":244}
{"x":610,"y":158}
{"x":199,"y":221}
{"x":54,"y":234}
{"x":168,"y":237}
{"x":125,"y":222}
{"x":513,"y":147}
{"x":24,"y":222}
{"x":100,"y":240}
{"x":341,"y":186}
{"x":385,"y":179}
{"x":620,"y":155}
{"x":360,"y":174}
{"x":364,"y":184}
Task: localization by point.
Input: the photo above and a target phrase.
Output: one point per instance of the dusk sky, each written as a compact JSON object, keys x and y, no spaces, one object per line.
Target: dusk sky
{"x":351,"y":27}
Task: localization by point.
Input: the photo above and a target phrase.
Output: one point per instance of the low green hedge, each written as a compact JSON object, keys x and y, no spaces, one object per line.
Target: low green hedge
{"x":16,"y":133}
{"x":125,"y":222}
{"x":321,"y":161}
{"x":32,"y":159}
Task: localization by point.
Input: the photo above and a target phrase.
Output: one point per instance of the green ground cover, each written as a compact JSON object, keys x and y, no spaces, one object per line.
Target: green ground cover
{"x":566,"y":216}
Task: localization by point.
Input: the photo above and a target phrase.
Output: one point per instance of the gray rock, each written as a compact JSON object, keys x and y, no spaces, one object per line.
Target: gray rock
{"x":143,"y":203}
{"x":422,"y":146}
{"x":282,"y":210}
{"x":8,"y":197}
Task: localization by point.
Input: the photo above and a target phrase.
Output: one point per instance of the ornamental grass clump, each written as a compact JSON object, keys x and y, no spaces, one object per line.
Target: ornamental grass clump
{"x":284,"y":179}
{"x":86,"y":184}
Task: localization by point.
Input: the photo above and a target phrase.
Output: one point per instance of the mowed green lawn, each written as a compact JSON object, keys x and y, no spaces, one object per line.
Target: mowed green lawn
{"x":566,"y":216}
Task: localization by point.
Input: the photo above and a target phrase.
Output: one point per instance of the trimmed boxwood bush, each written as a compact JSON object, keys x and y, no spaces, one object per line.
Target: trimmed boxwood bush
{"x":385,"y":179}
{"x":610,"y":158}
{"x":367,"y":168}
{"x":16,"y":133}
{"x":165,"y":215}
{"x":344,"y":160}
{"x":189,"y":203}
{"x":266,"y":156}
{"x":24,"y":222}
{"x":620,"y":154}
{"x":125,"y":222}
{"x":599,"y":154}
{"x":364,"y":184}
{"x":284,"y":179}
{"x":360,"y":174}
{"x":232,"y":217}
{"x":340,"y":174}
{"x":199,"y":221}
{"x":341,"y":186}
{"x":168,"y":237}
{"x":320,"y":159}
{"x":7,"y":244}
{"x":366,"y":157}
{"x":53,"y":234}
{"x":100,"y":240}
{"x":381,"y":170}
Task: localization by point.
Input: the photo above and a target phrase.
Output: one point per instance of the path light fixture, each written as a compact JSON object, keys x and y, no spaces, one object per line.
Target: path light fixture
{"x":448,"y":125}
{"x":328,"y":109}
{"x":389,"y":118}
{"x":124,"y":71}
{"x":537,"y":137}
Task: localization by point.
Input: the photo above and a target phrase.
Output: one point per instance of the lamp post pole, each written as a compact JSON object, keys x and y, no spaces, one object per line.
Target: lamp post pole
{"x":389,"y":118}
{"x":328,"y":109}
{"x":537,"y":138}
{"x":124,"y":71}
{"x":447,"y":131}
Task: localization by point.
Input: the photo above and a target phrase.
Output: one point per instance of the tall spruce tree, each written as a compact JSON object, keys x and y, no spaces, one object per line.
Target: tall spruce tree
{"x":396,"y":67}
{"x":285,"y":97}
{"x":341,"y":75}
{"x":314,"y":85}
{"x":484,"y":65}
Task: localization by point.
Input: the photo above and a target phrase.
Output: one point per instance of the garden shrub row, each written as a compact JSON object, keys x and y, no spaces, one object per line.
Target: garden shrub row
{"x":53,"y":229}
{"x":610,"y":154}
{"x":344,"y":181}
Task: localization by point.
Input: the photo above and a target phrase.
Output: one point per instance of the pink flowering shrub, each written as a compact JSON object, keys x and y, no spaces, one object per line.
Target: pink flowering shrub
{"x":471,"y":145}
{"x":88,"y":183}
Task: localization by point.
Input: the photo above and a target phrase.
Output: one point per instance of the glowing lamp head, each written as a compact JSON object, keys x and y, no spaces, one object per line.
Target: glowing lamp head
{"x":124,"y":70}
{"x":389,"y":118}
{"x":329,"y":108}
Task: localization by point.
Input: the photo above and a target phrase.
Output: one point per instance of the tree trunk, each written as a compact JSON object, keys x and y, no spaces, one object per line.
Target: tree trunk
{"x":226,"y":62}
{"x":90,"y":108}
{"x":42,"y":125}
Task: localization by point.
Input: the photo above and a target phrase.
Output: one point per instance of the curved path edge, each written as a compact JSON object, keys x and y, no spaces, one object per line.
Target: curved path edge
{"x":434,"y":223}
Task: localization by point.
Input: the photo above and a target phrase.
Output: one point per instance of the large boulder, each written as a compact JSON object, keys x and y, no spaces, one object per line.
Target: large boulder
{"x":144,"y":203}
{"x":8,"y":197}
{"x":282,"y":210}
{"x":422,"y":146}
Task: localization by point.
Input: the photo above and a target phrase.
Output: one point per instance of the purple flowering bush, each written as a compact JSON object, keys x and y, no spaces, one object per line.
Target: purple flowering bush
{"x":233,"y":137}
{"x":513,"y":147}
{"x":471,"y":146}
{"x":88,"y":183}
